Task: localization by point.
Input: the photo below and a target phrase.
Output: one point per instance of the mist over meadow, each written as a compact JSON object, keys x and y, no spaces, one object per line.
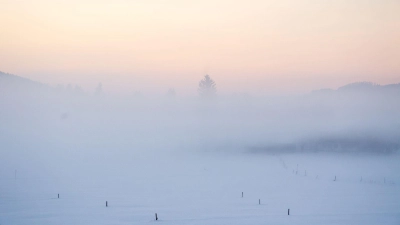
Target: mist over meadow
{"x":360,"y":117}
{"x":78,"y":156}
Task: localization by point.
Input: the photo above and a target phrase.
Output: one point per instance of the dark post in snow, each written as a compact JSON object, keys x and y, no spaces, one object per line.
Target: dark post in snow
{"x":106,"y":204}
{"x":334,"y":179}
{"x":288,"y":212}
{"x":242,"y":194}
{"x":58,"y":195}
{"x":259,"y":201}
{"x":156,"y":217}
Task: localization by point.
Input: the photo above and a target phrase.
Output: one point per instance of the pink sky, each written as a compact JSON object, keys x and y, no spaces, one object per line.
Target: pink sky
{"x":254,"y":46}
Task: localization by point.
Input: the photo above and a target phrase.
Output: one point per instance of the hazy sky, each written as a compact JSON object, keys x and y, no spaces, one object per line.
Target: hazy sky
{"x":255,"y":46}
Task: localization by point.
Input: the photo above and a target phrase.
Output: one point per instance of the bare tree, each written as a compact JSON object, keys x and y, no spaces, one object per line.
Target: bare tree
{"x":207,"y":87}
{"x":99,"y":90}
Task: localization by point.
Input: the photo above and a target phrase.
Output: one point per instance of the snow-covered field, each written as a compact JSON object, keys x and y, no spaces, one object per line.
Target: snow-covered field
{"x":202,"y":188}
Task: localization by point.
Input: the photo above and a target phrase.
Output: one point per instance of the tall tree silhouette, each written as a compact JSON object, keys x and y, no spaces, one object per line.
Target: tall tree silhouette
{"x":99,"y":90}
{"x":207,"y":87}
{"x":171,"y":93}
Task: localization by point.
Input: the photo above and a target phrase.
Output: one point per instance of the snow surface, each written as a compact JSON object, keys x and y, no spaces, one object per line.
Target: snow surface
{"x":203,"y":188}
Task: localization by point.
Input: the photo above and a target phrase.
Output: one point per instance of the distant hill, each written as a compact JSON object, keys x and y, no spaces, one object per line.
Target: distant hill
{"x":361,"y":87}
{"x":10,"y":82}
{"x":11,"y":78}
{"x":367,"y":86}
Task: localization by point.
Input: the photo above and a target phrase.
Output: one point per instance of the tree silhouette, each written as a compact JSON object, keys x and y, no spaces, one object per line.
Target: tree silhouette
{"x":171,"y":93}
{"x":99,"y":90}
{"x":207,"y":87}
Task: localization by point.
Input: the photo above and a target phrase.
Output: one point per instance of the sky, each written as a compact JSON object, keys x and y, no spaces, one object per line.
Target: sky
{"x":253,"y":46}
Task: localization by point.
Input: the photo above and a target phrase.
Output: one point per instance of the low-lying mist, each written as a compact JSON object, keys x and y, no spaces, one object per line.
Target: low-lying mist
{"x":355,"y":118}
{"x":190,"y":158}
